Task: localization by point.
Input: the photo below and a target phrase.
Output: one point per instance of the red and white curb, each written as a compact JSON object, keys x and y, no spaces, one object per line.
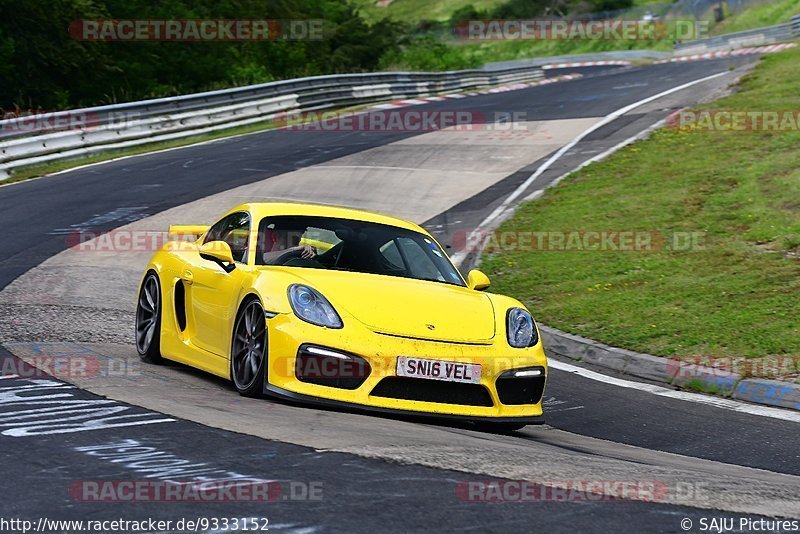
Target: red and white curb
{"x":586,"y":64}
{"x":500,"y":89}
{"x":728,"y":53}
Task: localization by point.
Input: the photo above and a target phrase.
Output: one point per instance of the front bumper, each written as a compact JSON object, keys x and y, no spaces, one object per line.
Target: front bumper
{"x":381,"y":390}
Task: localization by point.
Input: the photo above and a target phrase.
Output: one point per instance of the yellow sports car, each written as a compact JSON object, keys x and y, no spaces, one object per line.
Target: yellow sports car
{"x":340,"y":307}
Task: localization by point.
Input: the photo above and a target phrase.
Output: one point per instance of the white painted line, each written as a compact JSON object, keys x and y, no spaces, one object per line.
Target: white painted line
{"x":539,"y":192}
{"x":502,"y":208}
{"x":726,"y":404}
{"x":4,"y":377}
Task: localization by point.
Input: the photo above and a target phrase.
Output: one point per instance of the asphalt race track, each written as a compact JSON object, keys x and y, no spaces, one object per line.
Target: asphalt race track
{"x":340,"y":471}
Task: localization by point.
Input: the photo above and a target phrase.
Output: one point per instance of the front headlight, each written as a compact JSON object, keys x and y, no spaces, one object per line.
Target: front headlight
{"x":520,"y":329}
{"x":309,"y":305}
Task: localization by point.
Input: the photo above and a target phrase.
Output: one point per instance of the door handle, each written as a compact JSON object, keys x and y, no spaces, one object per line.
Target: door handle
{"x":188,"y":277}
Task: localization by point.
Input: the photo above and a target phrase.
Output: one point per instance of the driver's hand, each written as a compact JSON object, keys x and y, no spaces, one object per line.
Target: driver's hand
{"x":306,"y":252}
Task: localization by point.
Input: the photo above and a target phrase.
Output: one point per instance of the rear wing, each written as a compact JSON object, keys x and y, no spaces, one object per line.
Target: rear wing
{"x":195,"y":230}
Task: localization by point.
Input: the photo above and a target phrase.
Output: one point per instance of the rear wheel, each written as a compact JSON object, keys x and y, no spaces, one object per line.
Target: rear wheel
{"x":148,"y":319}
{"x":249,"y":350}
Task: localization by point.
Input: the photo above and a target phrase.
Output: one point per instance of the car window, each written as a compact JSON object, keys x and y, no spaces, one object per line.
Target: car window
{"x":235,"y":231}
{"x":319,"y":238}
{"x":352,"y":245}
{"x":392,"y":254}
{"x":419,"y":262}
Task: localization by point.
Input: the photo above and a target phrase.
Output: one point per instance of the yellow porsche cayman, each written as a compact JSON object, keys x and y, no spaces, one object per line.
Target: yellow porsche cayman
{"x":340,"y":307}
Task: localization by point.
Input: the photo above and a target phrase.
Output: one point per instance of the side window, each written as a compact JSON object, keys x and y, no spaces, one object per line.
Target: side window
{"x":235,"y":231}
{"x":321,"y":239}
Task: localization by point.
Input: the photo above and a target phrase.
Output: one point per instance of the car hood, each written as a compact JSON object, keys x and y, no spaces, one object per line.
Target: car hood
{"x":406,"y":307}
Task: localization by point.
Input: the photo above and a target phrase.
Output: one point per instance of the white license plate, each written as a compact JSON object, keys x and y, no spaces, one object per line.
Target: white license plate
{"x":468,"y":373}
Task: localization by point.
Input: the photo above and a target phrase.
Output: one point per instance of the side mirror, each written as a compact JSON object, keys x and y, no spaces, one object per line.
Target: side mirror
{"x":477,"y":280}
{"x":220,"y":253}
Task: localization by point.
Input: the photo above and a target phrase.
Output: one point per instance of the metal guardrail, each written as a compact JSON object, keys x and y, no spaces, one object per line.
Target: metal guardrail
{"x":122,"y":125}
{"x":757,"y":37}
{"x":134,"y":123}
{"x":610,"y":55}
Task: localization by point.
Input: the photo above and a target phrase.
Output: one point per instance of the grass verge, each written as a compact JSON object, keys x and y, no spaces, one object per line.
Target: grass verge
{"x":435,"y":53}
{"x":733,"y":294}
{"x":758,"y":16}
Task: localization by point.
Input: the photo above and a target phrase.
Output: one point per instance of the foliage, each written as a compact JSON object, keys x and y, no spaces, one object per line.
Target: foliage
{"x":42,"y":67}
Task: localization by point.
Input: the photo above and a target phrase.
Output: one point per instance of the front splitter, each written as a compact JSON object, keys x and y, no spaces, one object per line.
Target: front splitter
{"x":274,"y":391}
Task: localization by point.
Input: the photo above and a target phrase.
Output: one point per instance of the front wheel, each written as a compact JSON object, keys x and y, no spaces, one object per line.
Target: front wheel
{"x":249,"y":350}
{"x":148,"y":319}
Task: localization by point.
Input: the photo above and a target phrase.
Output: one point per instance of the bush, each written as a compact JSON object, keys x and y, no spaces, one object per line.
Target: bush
{"x":429,"y":54}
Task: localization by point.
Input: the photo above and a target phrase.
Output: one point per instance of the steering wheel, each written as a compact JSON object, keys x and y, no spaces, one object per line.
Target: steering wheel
{"x":286,"y":256}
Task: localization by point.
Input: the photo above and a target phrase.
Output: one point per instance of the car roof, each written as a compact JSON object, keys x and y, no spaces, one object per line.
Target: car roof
{"x":260,"y":210}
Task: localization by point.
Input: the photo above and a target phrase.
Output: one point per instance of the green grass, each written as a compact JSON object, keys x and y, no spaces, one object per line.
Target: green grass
{"x":415,"y":11}
{"x":449,"y":54}
{"x":430,"y":54}
{"x":735,"y":295}
{"x":700,"y":386}
{"x":509,"y":50}
{"x":766,"y":14}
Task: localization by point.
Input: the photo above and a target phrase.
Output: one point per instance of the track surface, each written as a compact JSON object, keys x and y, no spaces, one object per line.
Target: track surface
{"x":358,"y":494}
{"x":362,"y":493}
{"x":31,"y":212}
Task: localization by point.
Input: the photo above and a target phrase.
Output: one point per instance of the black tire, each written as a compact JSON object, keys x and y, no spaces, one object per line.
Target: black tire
{"x":249,"y":350}
{"x":148,"y":319}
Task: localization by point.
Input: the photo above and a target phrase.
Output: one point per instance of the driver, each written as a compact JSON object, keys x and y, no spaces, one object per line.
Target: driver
{"x":279,"y":242}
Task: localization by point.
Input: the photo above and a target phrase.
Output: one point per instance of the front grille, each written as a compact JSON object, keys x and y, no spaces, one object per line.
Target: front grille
{"x":514,"y":391}
{"x":419,"y":389}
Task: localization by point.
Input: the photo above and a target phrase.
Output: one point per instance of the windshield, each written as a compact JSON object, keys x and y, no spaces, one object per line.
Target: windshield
{"x":348,"y":245}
